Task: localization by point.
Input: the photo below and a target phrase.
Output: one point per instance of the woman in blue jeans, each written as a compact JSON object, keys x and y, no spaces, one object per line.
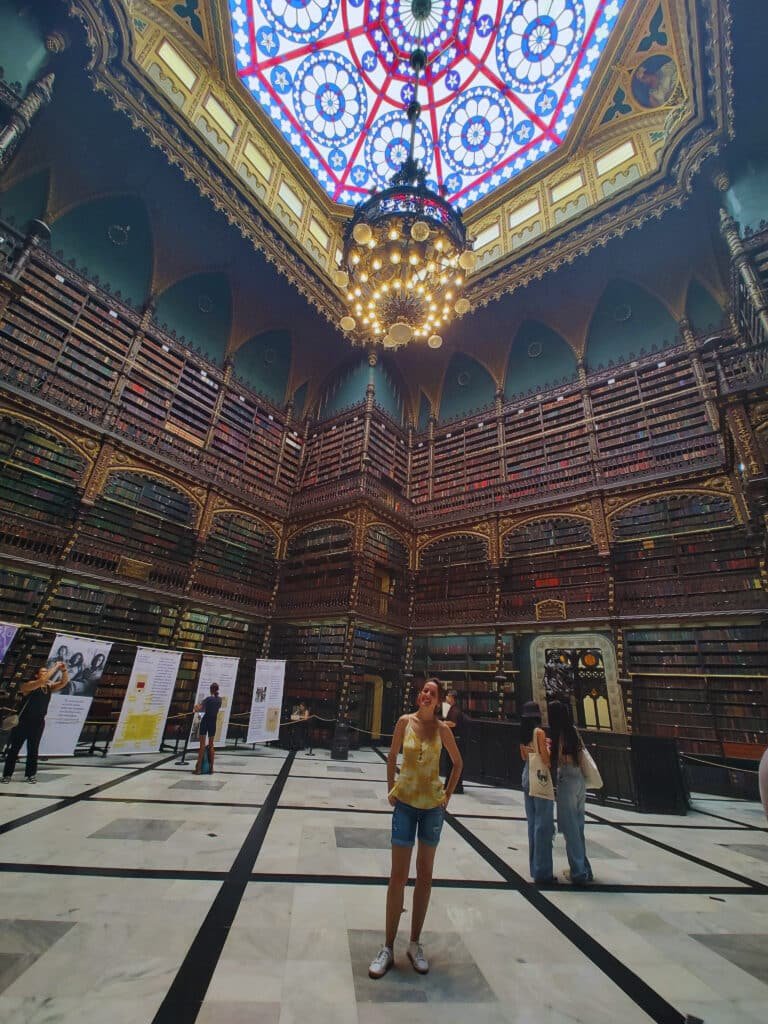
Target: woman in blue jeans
{"x":571,"y":790}
{"x":539,"y":812}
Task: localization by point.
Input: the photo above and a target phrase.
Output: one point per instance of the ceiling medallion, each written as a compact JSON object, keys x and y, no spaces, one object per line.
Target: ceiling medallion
{"x":405,"y":253}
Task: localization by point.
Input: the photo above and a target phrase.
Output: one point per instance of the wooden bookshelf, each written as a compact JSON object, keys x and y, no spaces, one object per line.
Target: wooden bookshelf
{"x":705,"y":685}
{"x":553,"y":559}
{"x":454,"y":579}
{"x":465,"y":663}
{"x":317,"y":569}
{"x":237,"y":563}
{"x":685,"y":553}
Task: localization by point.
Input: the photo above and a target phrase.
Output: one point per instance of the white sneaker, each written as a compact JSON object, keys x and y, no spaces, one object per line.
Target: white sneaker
{"x":6,"y":779}
{"x":31,"y":778}
{"x":417,"y":958}
{"x":381,"y":963}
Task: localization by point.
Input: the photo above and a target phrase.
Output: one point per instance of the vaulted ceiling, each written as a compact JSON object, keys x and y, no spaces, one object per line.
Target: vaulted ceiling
{"x":161,"y":119}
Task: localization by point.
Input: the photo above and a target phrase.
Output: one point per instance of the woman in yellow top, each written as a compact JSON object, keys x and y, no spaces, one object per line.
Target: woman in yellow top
{"x":419,"y":801}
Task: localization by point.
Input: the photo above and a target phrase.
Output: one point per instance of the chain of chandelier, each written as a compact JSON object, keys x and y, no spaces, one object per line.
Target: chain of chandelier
{"x":405,"y":255}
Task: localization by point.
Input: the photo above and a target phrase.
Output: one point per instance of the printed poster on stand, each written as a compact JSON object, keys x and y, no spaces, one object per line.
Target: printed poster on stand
{"x":7,"y":632}
{"x":85,"y":659}
{"x":144,"y":712}
{"x":267,"y":701}
{"x":224,"y":672}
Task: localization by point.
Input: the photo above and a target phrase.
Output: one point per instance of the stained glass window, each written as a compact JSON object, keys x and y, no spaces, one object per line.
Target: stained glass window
{"x":501,"y":88}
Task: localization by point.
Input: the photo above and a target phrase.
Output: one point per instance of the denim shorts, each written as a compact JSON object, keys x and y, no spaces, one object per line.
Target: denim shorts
{"x":407,"y":820}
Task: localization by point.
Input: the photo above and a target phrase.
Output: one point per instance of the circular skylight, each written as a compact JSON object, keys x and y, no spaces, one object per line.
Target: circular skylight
{"x":502,"y":85}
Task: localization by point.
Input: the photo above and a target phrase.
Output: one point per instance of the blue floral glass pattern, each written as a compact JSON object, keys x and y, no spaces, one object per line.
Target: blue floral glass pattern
{"x":502,"y":86}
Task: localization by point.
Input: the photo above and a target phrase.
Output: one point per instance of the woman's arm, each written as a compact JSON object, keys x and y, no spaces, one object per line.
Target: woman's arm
{"x":457,"y":763}
{"x":394,"y":749}
{"x":540,"y":739}
{"x":55,"y":687}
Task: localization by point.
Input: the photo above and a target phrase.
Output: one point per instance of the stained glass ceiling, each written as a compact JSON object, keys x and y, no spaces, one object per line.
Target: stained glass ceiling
{"x":502,"y":86}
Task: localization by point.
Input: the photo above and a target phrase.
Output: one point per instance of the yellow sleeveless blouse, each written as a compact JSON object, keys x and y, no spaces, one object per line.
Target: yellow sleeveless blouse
{"x":418,"y":783}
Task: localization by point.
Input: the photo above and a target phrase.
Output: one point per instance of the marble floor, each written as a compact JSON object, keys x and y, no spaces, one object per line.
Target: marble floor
{"x":136,"y":893}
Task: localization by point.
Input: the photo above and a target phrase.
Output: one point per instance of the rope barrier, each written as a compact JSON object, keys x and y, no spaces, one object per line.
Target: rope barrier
{"x":714,"y":764}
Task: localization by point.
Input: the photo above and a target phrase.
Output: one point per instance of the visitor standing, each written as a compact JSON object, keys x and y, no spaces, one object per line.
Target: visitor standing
{"x":539,"y":810}
{"x":419,"y":802}
{"x":37,"y":693}
{"x":571,"y":788}
{"x":210,"y":708}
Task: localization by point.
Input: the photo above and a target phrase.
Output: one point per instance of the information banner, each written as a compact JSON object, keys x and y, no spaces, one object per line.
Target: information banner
{"x":144,"y":712}
{"x":85,"y":659}
{"x":267,"y":701}
{"x":224,"y":672}
{"x":7,"y":633}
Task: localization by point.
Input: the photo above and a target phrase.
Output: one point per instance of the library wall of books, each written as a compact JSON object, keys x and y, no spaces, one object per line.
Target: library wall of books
{"x":151,"y":494}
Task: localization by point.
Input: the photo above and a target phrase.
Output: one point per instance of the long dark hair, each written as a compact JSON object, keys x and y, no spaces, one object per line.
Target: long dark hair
{"x":440,"y":695}
{"x":562,"y":732}
{"x":527,"y":728}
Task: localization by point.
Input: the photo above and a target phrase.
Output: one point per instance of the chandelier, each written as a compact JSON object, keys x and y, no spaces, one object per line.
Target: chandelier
{"x":406,"y":254}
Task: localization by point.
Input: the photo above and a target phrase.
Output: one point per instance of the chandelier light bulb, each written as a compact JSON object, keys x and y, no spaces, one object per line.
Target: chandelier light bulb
{"x":347,"y":324}
{"x":434,"y":341}
{"x":376,"y":264}
{"x":420,"y":231}
{"x":358,"y":292}
{"x":362,"y":233}
{"x":355,"y":258}
{"x":401,"y":333}
{"x":394,"y":234}
{"x":394,"y":257}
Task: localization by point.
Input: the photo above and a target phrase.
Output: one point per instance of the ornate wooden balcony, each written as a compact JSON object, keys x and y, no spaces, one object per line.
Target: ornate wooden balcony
{"x":212,"y":587}
{"x":32,"y":538}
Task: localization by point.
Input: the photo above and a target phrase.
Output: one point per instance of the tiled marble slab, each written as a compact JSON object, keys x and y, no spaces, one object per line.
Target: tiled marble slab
{"x":363,"y":838}
{"x":146,"y":830}
{"x":749,"y":952}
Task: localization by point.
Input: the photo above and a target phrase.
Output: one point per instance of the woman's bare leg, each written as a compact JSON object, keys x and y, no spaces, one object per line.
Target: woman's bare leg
{"x":200,"y":753}
{"x":398,"y":878}
{"x":211,"y":753}
{"x":425,"y":860}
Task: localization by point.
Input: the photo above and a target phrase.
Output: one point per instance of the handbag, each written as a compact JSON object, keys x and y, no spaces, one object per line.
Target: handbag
{"x":539,"y":777}
{"x":12,"y":720}
{"x":9,"y":722}
{"x":589,"y":770}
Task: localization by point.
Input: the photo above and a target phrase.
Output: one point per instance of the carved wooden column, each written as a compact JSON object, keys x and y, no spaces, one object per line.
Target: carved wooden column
{"x":500,"y":434}
{"x":589,"y":420}
{"x":113,"y":405}
{"x":226,"y":378}
{"x":689,"y":338}
{"x":11,"y":135}
{"x":283,"y":440}
{"x":370,"y":394}
{"x":742,"y":263}
{"x":431,"y":455}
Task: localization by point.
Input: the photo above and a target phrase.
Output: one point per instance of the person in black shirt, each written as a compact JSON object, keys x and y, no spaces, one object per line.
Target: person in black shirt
{"x":31,"y":725}
{"x":210,"y":708}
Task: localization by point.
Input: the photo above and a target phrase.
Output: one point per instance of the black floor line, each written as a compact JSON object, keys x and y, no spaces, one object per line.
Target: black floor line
{"x":596,"y":824}
{"x":334,"y":810}
{"x":690,"y":857}
{"x":100,"y":871}
{"x":185,"y":996}
{"x":735,"y":821}
{"x":242,"y":775}
{"x":657,"y":1008}
{"x":68,"y":801}
{"x":213,"y":804}
{"x":35,"y":796}
{"x":298,"y":878}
